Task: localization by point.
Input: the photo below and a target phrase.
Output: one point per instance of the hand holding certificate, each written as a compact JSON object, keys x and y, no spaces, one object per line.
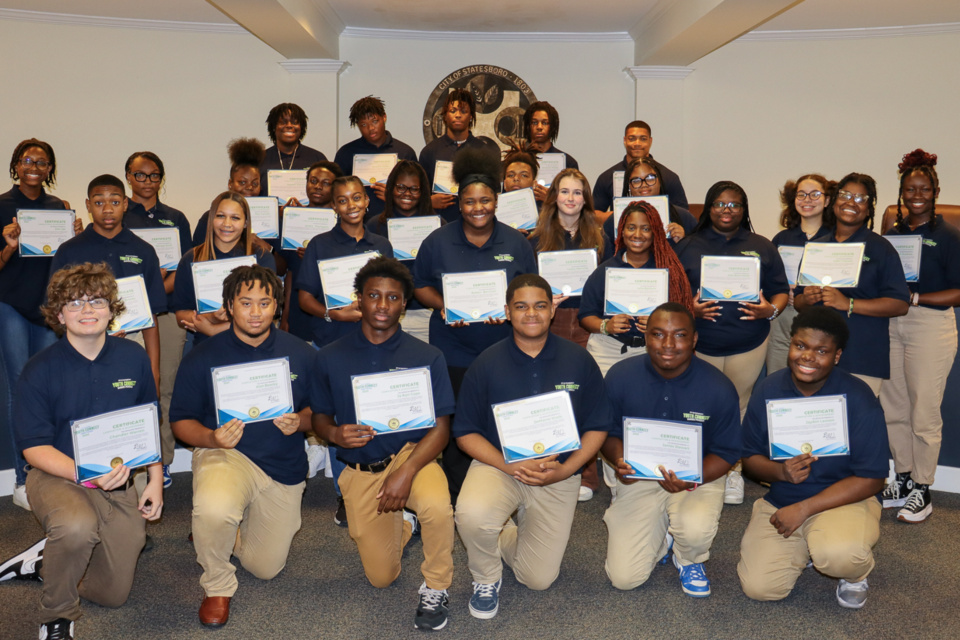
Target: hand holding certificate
{"x":253,"y":392}
{"x":166,"y":242}
{"x":337,"y":276}
{"x":541,"y":425}
{"x":652,"y":446}
{"x":264,"y":217}
{"x":407,"y":234}
{"x":137,"y":315}
{"x":372,"y":168}
{"x":284,"y":185}
{"x":301,"y":224}
{"x":834,"y":264}
{"x":395,"y":401}
{"x":475,"y":296}
{"x":730,"y":278}
{"x":208,"y":280}
{"x":909,"y":248}
{"x":518,"y":209}
{"x":129,"y":437}
{"x":567,"y":271}
{"x":635,"y":292}
{"x":43,"y":231}
{"x":816,"y":425}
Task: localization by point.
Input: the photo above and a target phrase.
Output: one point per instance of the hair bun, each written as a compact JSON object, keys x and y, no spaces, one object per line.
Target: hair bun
{"x":917,"y":158}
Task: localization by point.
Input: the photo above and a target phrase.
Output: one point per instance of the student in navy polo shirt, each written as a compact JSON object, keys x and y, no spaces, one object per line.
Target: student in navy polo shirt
{"x":476,"y":242}
{"x":648,"y":518}
{"x":880,"y":294}
{"x":94,"y":531}
{"x":287,"y":127}
{"x":387,"y":472}
{"x":819,"y":510}
{"x":733,"y":338}
{"x":107,"y":240}
{"x":806,"y":217}
{"x":407,"y":194}
{"x":923,"y":343}
{"x":248,"y":478}
{"x":542,"y":491}
{"x":520,"y":167}
{"x":459,"y":115}
{"x":23,"y":281}
{"x":541,"y":126}
{"x":369,"y":116}
{"x":637,"y":141}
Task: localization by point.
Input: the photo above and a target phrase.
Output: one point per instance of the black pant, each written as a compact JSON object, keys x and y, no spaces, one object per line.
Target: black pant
{"x":455,"y":462}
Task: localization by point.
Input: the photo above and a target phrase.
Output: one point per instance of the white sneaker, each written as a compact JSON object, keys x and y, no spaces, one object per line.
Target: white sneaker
{"x":733,"y":492}
{"x":852,"y":595}
{"x":586,"y":493}
{"x":20,"y":496}
{"x":316,"y":459}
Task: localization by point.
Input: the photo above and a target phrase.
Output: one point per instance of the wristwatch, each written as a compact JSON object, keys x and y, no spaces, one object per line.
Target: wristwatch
{"x":915,"y":299}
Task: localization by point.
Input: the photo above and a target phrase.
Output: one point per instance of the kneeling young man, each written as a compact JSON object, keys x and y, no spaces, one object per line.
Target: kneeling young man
{"x":94,"y":531}
{"x":669,"y":383}
{"x":531,"y":362}
{"x":820,"y":509}
{"x":248,"y":477}
{"x":386,"y":472}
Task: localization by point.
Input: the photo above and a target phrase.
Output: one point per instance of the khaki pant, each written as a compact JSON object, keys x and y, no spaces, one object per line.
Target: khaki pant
{"x":743,"y":369}
{"x":778,"y":345}
{"x":381,"y":538}
{"x":416,"y":322}
{"x":534,"y":546}
{"x":94,"y":538}
{"x":923,"y":345}
{"x":172,"y":339}
{"x":873,"y":382}
{"x":231,"y":494}
{"x":839,"y":541}
{"x":639,"y":519}
{"x":607,"y":351}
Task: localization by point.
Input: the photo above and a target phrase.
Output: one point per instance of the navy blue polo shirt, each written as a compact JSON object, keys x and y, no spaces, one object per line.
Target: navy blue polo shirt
{"x":23,"y":281}
{"x":730,"y":335}
{"x":571,"y":161}
{"x":447,"y":250}
{"x":59,"y":385}
{"x":796,"y":237}
{"x":595,"y":290}
{"x":881,"y":276}
{"x":127,"y":254}
{"x":701,"y":394}
{"x":573,"y":244}
{"x":869,"y":452}
{"x":939,"y":258}
{"x":344,"y":160}
{"x":159,"y":217}
{"x":281,"y":457}
{"x":603,"y":188}
{"x":504,"y":373}
{"x":335,"y":243}
{"x":331,"y":389}
{"x":302,"y":158}
{"x":677,"y":214}
{"x":444,"y":148}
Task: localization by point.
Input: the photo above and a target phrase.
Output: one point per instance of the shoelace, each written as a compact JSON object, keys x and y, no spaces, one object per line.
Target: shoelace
{"x":58,"y":631}
{"x":855,"y":586}
{"x":914,"y":500}
{"x":431,"y":598}
{"x":695,"y":573}
{"x":484,"y":590}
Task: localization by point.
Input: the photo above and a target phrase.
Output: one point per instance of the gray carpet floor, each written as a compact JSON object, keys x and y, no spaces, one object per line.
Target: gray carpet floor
{"x":322,"y":592}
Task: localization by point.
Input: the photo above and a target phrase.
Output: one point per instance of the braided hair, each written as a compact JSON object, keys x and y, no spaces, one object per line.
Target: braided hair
{"x":918,"y":161}
{"x":663,"y":255}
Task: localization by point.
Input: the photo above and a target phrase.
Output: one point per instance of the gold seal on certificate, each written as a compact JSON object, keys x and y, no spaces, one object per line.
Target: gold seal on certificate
{"x":806,"y":447}
{"x":393,"y":424}
{"x":373,"y":180}
{"x":128,"y":437}
{"x":727,"y":293}
{"x":657,"y":470}
{"x":394,"y":401}
{"x":826,"y":279}
{"x":306,"y":242}
{"x":116,"y":462}
{"x":538,"y":448}
{"x":254,"y":412}
{"x":415,"y":252}
{"x":836,"y":264}
{"x":47,"y":248}
{"x":634,"y":307}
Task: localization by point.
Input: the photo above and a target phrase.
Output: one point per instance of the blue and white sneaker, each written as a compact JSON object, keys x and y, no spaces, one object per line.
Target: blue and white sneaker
{"x":167,"y":479}
{"x":485,"y":601}
{"x":693,"y":579}
{"x":666,"y":558}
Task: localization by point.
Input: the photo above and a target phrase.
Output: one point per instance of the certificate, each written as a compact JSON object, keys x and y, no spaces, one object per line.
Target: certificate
{"x":635,"y":292}
{"x":407,"y":234}
{"x":518,"y":209}
{"x":43,"y":231}
{"x":675,"y":446}
{"x":284,"y":185}
{"x":302,"y":224}
{"x":541,"y":425}
{"x":337,"y":276}
{"x":791,"y":257}
{"x":474,"y":296}
{"x":372,"y":168}
{"x":730,"y":278}
{"x":264,"y":217}
{"x":166,"y":242}
{"x":836,"y":264}
{"x":253,"y":392}
{"x":660,"y":203}
{"x":550,"y":165}
{"x":617,"y":183}
{"x":102,"y":443}
{"x":816,"y":425}
{"x":567,"y":271}
{"x":395,"y":401}
{"x":443,"y":181}
{"x":909,"y":248}
{"x":137,"y":315}
{"x":208,"y":280}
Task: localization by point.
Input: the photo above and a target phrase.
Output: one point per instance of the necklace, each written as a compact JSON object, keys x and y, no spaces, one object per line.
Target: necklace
{"x":291,"y":159}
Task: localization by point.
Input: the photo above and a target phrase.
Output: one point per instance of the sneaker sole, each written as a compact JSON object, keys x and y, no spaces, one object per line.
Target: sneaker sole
{"x":916,"y":518}
{"x":13,"y":562}
{"x":894,"y":504}
{"x":484,"y":615}
{"x":427,"y":627}
{"x":847,"y":605}
{"x":695,"y":594}
{"x":732,"y":500}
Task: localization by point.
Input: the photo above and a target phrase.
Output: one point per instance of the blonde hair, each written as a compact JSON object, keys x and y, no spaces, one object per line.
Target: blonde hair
{"x":205,"y":251}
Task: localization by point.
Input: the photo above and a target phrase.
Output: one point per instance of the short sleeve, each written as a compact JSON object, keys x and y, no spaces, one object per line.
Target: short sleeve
{"x":34,"y":424}
{"x":309,"y":277}
{"x":189,"y":390}
{"x":321,"y":395}
{"x":473,"y":409}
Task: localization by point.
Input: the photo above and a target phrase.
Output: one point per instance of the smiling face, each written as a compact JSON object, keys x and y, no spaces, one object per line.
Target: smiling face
{"x":540,"y":128}
{"x":350,"y":202}
{"x":813,"y":355}
{"x":228,"y":224}
{"x":288,"y":130}
{"x":382,"y":303}
{"x":519,"y":175}
{"x":373,"y":128}
{"x":406,"y":194}
{"x":724,"y":218}
{"x":918,"y":194}
{"x":30,"y":174}
{"x":570,"y":196}
{"x":643,"y":181}
{"x":86,"y":322}
{"x":849,"y":212}
{"x":320,"y":187}
{"x":808,"y":203}
{"x":252,"y":310}
{"x":478,"y":206}
{"x":245,"y":181}
{"x":671,"y":339}
{"x":638,"y":235}
{"x":150,"y":172}
{"x":530,"y":312}
{"x":637,"y":143}
{"x":106,"y":206}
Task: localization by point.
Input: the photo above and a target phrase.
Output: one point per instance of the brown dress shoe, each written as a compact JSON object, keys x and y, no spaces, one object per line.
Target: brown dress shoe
{"x":215,"y":611}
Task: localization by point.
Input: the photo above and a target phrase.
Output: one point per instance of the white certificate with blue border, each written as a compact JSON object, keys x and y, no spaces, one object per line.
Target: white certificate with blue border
{"x":635,"y":292}
{"x":816,"y":425}
{"x":395,"y":401}
{"x":518,"y":209}
{"x":252,"y":392}
{"x":474,"y":296}
{"x":443,"y":181}
{"x":834,"y":264}
{"x":166,"y":242}
{"x":550,"y":165}
{"x":675,"y":446}
{"x":660,"y":203}
{"x":730,"y":278}
{"x":208,"y":280}
{"x":567,"y":271}
{"x":372,"y":168}
{"x":406,"y":234}
{"x":617,"y":184}
{"x":791,"y":257}
{"x":137,"y":315}
{"x":284,"y":185}
{"x":42,"y":231}
{"x":337,"y":276}
{"x":128,"y":437}
{"x":537,"y":426}
{"x":264,"y":217}
{"x":909,"y":248}
{"x":302,"y":224}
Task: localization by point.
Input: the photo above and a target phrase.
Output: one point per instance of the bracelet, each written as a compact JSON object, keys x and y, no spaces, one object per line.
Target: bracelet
{"x":850,"y":310}
{"x":915,"y":299}
{"x":694,"y":487}
{"x":776,"y":312}
{"x":88,"y":485}
{"x":603,"y":328}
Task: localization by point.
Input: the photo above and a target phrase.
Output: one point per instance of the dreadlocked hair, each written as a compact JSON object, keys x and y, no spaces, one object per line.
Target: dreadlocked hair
{"x":550,"y":234}
{"x":524,"y":154}
{"x":245,"y":152}
{"x":918,"y":161}
{"x":245,"y":277}
{"x":664,"y":256}
{"x":369,"y":106}
{"x":552,"y":116}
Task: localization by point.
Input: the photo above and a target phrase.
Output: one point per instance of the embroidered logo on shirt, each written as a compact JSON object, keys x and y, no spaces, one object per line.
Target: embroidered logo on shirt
{"x":503,"y":257}
{"x":567,"y":386}
{"x":694,"y":416}
{"x":866,"y":258}
{"x":124,"y":384}
{"x":751,"y":253}
{"x":168,"y":223}
{"x":293,"y":377}
{"x":131,"y":259}
{"x":929,"y":243}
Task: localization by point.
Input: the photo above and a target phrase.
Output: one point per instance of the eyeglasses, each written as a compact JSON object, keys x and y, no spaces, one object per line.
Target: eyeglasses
{"x":846,"y":196}
{"x":734,"y":207}
{"x":402,"y":189}
{"x":813,"y":195}
{"x":76,"y":306}
{"x":30,"y":162}
{"x":142,"y":177}
{"x":650,"y":179}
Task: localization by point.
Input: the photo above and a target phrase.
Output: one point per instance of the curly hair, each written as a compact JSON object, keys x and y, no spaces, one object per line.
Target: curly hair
{"x":384,"y":267}
{"x":867,"y":183}
{"x":246,"y":276}
{"x":286,"y":109}
{"x":205,"y":250}
{"x":712,"y":194}
{"x":43,"y":146}
{"x":463,"y":96}
{"x":550,"y":234}
{"x":825,"y":320}
{"x":918,"y":161}
{"x":369,"y":106}
{"x":524,"y":154}
{"x":406,"y":168}
{"x":790,"y":217}
{"x":477,"y":165}
{"x":76,"y":281}
{"x":552,"y":116}
{"x":245,"y":152}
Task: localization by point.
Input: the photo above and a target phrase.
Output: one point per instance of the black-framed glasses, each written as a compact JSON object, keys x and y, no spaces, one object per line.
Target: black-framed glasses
{"x":30,"y":162}
{"x":650,"y":179}
{"x":79,"y":304}
{"x":813,"y":195}
{"x":734,"y":207}
{"x":142,"y":177}
{"x":846,"y":196}
{"x":402,"y":189}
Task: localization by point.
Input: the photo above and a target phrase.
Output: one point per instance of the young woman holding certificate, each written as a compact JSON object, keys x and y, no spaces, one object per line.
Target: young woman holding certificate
{"x":923,"y":343}
{"x":644,"y":179}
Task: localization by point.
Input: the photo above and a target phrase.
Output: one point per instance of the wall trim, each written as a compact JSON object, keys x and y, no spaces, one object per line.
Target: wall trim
{"x":658,"y":72}
{"x":314,"y":65}
{"x":852,"y":34}
{"x":498,"y":36}
{"x":123,"y":23}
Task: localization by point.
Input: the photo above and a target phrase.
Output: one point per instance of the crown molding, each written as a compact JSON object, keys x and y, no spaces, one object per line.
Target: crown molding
{"x":658,"y":72}
{"x":486,"y":36}
{"x":852,"y":34}
{"x":318,"y":65}
{"x":123,"y":23}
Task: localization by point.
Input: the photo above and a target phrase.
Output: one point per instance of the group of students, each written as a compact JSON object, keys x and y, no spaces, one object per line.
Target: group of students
{"x":688,"y":361}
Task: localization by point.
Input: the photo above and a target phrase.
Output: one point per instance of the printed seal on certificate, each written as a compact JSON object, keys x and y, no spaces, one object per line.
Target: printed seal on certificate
{"x":806,"y":447}
{"x":538,"y":448}
{"x":657,"y":472}
{"x":826,"y":280}
{"x":254,"y":412}
{"x":566,"y":289}
{"x":393,"y":424}
{"x":414,"y":252}
{"x":306,"y":242}
{"x":634,"y":307}
{"x":47,"y":249}
{"x":116,"y":462}
{"x":475,"y":314}
{"x":728,"y":294}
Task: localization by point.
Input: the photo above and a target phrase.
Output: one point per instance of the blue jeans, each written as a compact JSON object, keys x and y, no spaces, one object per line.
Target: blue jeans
{"x":336,"y":467}
{"x":20,"y":340}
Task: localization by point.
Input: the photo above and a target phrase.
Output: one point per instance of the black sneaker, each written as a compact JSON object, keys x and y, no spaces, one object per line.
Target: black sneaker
{"x":25,"y":565}
{"x":411,"y":517}
{"x":59,"y":629}
{"x":895,"y":495}
{"x":918,"y":505}
{"x":432,"y":611}
{"x":340,"y":517}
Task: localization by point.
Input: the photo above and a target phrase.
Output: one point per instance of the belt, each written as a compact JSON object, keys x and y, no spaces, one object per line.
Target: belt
{"x":631,"y":341}
{"x":376,"y":467}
